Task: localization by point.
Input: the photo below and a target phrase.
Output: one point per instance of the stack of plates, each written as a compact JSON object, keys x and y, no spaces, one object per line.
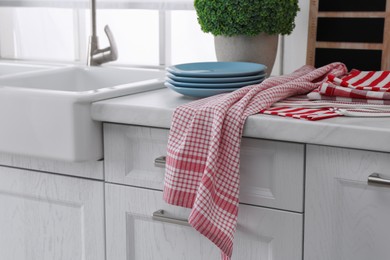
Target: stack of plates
{"x":203,"y":79}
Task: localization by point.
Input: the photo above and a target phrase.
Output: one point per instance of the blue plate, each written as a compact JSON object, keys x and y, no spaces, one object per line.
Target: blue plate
{"x":213,"y":85}
{"x":199,"y":92}
{"x":216,"y":80}
{"x":216,"y":69}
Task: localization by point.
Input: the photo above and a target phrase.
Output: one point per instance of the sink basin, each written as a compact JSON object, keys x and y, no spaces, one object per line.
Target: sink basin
{"x":47,"y":113}
{"x":13,"y":68}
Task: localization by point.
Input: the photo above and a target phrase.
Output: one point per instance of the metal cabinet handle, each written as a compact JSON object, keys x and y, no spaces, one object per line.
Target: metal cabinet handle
{"x":160,"y":161}
{"x":160,"y":216}
{"x":377,"y":178}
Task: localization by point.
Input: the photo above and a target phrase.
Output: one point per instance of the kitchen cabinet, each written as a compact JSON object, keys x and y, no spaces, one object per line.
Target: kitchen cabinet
{"x":270,"y":214}
{"x":271,"y":172}
{"x":85,"y":169}
{"x":132,"y":233}
{"x":346,"y":216}
{"x":45,"y":216}
{"x":297,"y":201}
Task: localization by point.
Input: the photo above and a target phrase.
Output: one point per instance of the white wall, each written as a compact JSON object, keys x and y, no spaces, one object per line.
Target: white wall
{"x":295,"y":44}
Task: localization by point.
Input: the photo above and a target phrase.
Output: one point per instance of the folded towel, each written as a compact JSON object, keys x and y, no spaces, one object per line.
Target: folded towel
{"x":356,"y":85}
{"x":364,"y":80}
{"x":307,"y":113}
{"x":202,"y":169}
{"x":316,"y":96}
{"x":300,"y":107}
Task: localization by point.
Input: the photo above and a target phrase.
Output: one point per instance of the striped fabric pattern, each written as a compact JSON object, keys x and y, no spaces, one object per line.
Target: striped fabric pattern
{"x":203,"y":153}
{"x":316,"y":95}
{"x":358,"y":93}
{"x":356,"y":85}
{"x":312,"y":114}
{"x":301,"y":107}
{"x":330,"y":89}
{"x":364,"y":80}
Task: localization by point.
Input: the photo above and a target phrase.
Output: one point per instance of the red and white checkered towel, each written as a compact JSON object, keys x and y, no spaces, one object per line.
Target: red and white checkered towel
{"x":202,"y":169}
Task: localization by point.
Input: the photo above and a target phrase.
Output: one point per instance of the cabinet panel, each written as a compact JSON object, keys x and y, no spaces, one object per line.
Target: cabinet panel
{"x":46,"y":217}
{"x":129,"y":153}
{"x":271,"y":172}
{"x":132,"y":234}
{"x":87,"y":169}
{"x":345,"y":217}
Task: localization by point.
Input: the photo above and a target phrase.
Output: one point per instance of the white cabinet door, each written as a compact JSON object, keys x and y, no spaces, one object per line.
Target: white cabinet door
{"x":50,"y":217}
{"x":345,"y":217}
{"x":132,"y":233}
{"x":271,"y":173}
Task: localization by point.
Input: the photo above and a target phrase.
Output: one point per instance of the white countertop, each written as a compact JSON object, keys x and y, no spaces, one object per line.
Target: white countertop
{"x":155,"y":109}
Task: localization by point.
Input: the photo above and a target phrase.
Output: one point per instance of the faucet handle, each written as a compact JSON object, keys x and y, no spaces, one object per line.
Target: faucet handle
{"x":100,"y":56}
{"x":113,"y":48}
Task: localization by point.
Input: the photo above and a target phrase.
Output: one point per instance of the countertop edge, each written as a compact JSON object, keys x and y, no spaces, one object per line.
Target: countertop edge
{"x":365,"y":134}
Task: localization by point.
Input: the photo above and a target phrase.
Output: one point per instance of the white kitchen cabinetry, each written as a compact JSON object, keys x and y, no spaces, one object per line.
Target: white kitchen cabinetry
{"x":50,"y":217}
{"x":132,"y":234}
{"x":271,"y":177}
{"x":346,"y":218}
{"x":86,"y":169}
{"x":271,"y":172}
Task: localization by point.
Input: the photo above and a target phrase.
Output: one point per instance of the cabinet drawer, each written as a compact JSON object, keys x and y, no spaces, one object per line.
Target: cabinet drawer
{"x":271,"y":173}
{"x":346,"y":215}
{"x":133,"y":234}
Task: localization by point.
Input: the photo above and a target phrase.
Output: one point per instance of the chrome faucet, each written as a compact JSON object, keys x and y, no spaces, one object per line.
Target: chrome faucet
{"x":98,"y":56}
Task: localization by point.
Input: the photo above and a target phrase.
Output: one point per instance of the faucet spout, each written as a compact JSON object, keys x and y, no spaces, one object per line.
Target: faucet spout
{"x":98,"y":56}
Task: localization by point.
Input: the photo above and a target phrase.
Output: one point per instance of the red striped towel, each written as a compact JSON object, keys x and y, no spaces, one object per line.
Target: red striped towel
{"x":307,"y":113}
{"x":356,"y":85}
{"x":202,"y":170}
{"x":316,"y":96}
{"x":358,"y":93}
{"x":301,"y":107}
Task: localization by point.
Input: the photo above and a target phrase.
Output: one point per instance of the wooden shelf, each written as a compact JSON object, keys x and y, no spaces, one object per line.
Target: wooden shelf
{"x":350,"y":45}
{"x":344,"y":44}
{"x":352,"y":14}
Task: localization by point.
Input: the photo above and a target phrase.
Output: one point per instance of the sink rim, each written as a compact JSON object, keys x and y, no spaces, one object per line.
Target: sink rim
{"x":107,"y":92}
{"x":35,"y":68}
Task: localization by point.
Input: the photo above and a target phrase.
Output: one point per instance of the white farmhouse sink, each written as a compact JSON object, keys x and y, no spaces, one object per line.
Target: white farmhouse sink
{"x":47,"y":113}
{"x":13,"y":68}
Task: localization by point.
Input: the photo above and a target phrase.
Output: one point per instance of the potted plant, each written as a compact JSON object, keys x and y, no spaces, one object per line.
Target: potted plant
{"x":247,"y":30}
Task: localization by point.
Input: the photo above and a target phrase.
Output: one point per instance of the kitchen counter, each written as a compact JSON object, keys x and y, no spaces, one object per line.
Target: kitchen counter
{"x":155,"y":109}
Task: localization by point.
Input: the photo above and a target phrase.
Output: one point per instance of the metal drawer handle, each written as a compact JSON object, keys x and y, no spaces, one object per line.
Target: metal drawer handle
{"x":377,"y":178}
{"x":160,"y":216}
{"x":160,"y":161}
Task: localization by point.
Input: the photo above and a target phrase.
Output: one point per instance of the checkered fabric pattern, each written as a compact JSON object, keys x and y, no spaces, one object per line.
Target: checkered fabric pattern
{"x":202,"y":167}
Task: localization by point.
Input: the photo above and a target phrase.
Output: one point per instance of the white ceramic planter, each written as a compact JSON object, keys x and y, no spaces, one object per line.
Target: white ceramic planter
{"x":260,"y":49}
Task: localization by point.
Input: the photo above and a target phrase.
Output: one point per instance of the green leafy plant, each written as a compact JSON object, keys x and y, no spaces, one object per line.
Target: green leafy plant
{"x":246,"y":17}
